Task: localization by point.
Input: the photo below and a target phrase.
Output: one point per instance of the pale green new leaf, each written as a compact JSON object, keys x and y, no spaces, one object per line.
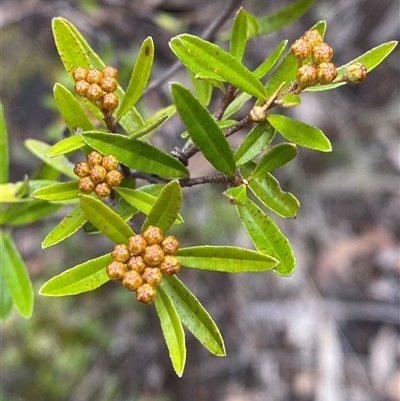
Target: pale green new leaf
{"x":239,"y":35}
{"x":20,"y":191}
{"x":66,"y":145}
{"x":236,"y":195}
{"x":58,"y":192}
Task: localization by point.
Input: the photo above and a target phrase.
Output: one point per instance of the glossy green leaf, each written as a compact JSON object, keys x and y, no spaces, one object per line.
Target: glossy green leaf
{"x":202,"y":88}
{"x":15,"y":276}
{"x":66,"y":227}
{"x":105,"y":219}
{"x":66,"y":145}
{"x":6,"y":302}
{"x":254,"y":142}
{"x":267,"y":237}
{"x":58,"y":192}
{"x":166,"y":208}
{"x":3,"y":148}
{"x":203,"y":130}
{"x":81,"y":278}
{"x":193,"y":315}
{"x":60,"y":163}
{"x":136,"y":154}
{"x":199,"y":55}
{"x":225,"y":259}
{"x":21,"y":191}
{"x":300,"y":133}
{"x":237,"y":195}
{"x":172,"y":330}
{"x":268,"y":191}
{"x":276,"y":157}
{"x":140,"y":76}
{"x":71,"y":111}
{"x":271,"y":60}
{"x":239,"y":35}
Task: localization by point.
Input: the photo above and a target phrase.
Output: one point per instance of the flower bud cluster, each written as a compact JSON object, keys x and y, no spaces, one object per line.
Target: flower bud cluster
{"x":98,"y":86}
{"x":141,"y":263}
{"x":99,"y":174}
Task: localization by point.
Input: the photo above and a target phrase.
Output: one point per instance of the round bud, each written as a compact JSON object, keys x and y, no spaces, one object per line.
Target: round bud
{"x":313,"y":37}
{"x":136,"y":263}
{"x":321,"y":53}
{"x":132,"y":280}
{"x":102,"y":190}
{"x":86,"y":185}
{"x":110,"y":101}
{"x":306,"y":76}
{"x":153,"y":255}
{"x":355,"y":73}
{"x":152,"y":276}
{"x":81,"y":88}
{"x":94,"y":158}
{"x":110,"y":162}
{"x":79,"y":74}
{"x":257,"y":114}
{"x":109,"y":84}
{"x":98,"y":173}
{"x":136,"y":244}
{"x":120,"y":253}
{"x":300,"y":49}
{"x":94,"y":76}
{"x":153,"y":235}
{"x":115,"y":270}
{"x":170,"y":265}
{"x":109,"y":71}
{"x":82,"y":169}
{"x":146,"y":293}
{"x":113,"y":178}
{"x":170,"y":244}
{"x":326,"y":73}
{"x":94,"y":92}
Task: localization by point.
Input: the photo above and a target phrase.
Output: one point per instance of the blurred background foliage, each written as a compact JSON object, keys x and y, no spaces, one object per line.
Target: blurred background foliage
{"x":329,"y":332}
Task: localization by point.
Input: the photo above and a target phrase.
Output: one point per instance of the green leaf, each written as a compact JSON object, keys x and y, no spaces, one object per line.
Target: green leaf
{"x":172,"y":329}
{"x":221,"y":124}
{"x":203,"y":130}
{"x":66,"y":227}
{"x":3,"y":148}
{"x":139,"y":78}
{"x":105,"y":219}
{"x":149,"y":127}
{"x":58,"y":192}
{"x":236,"y":195}
{"x":16,"y":276}
{"x":60,"y":163}
{"x":6,"y":302}
{"x":254,"y":142}
{"x":267,"y":189}
{"x":236,"y":105}
{"x":199,"y":55}
{"x":277,"y":156}
{"x":136,"y":154}
{"x":239,"y":35}
{"x":193,"y":315}
{"x":267,"y":237}
{"x":166,"y":208}
{"x":289,"y":100}
{"x":300,"y":133}
{"x":21,"y":191}
{"x":271,"y":60}
{"x":282,"y":17}
{"x":225,"y":259}
{"x":71,"y":111}
{"x":202,"y":87}
{"x":81,"y":278}
{"x":66,"y":145}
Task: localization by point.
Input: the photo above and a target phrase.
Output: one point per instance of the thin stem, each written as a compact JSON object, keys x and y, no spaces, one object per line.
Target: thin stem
{"x":226,"y":100}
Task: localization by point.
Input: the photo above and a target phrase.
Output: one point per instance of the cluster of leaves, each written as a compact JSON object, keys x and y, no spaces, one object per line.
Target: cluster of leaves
{"x":245,"y":170}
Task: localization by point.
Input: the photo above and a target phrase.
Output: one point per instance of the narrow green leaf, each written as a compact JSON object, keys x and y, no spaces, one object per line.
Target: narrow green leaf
{"x":276,"y":157}
{"x":239,"y":35}
{"x":254,"y":142}
{"x":136,"y":154}
{"x":271,"y":60}
{"x":21,"y":191}
{"x":66,"y":145}
{"x":81,"y":278}
{"x":200,"y":55}
{"x":148,"y":128}
{"x":193,"y":315}
{"x":60,"y":163}
{"x":237,"y":195}
{"x":221,"y":124}
{"x":289,"y":100}
{"x":267,"y":237}
{"x":203,"y":130}
{"x":6,"y":302}
{"x":202,"y":87}
{"x":211,"y":78}
{"x":58,"y":192}
{"x":131,"y":121}
{"x":16,"y":276}
{"x":3,"y":147}
{"x":105,"y":219}
{"x":236,"y":105}
{"x":172,"y":329}
{"x":300,"y":133}
{"x":140,"y":75}
{"x":66,"y":227}
{"x":225,"y":259}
